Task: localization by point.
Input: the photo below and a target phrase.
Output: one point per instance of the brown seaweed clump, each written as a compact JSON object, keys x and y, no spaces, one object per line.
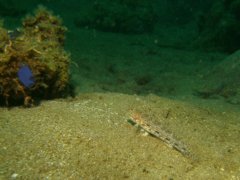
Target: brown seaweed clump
{"x":33,"y":53}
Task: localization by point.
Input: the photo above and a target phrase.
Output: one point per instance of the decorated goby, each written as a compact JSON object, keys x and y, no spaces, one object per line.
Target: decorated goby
{"x":158,"y":132}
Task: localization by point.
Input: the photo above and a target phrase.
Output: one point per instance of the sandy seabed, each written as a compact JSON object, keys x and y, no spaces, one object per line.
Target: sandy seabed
{"x":89,"y":137}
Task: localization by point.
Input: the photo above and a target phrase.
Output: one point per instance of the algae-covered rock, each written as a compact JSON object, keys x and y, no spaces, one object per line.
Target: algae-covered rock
{"x":33,"y":53}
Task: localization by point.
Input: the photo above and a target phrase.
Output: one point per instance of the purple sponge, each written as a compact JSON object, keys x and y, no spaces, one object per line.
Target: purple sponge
{"x":25,"y":76}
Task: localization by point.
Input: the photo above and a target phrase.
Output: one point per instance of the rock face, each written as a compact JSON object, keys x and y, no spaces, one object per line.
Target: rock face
{"x":33,"y":63}
{"x":223,"y":80}
{"x":219,"y":28}
{"x":122,"y":16}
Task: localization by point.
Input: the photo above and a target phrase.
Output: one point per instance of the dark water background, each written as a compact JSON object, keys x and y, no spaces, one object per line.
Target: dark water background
{"x":159,"y":46}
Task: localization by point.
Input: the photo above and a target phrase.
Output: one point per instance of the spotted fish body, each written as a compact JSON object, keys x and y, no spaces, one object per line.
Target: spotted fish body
{"x":159,"y":133}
